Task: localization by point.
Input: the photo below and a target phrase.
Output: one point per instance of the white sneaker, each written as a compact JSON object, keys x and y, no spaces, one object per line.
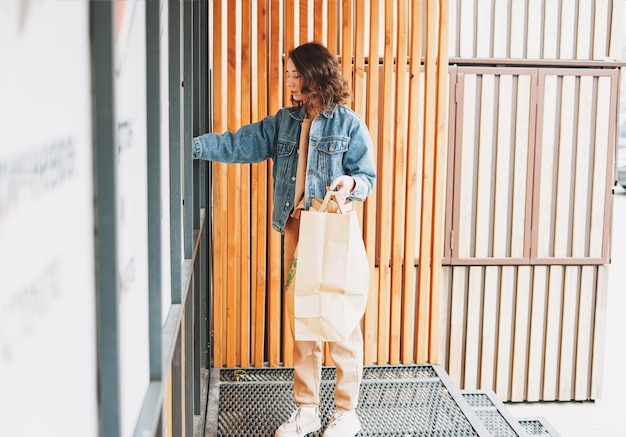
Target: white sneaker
{"x":301,"y":422}
{"x":343,"y":424}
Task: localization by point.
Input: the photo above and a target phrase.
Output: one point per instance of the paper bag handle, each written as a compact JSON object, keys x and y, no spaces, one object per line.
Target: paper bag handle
{"x":330,"y":194}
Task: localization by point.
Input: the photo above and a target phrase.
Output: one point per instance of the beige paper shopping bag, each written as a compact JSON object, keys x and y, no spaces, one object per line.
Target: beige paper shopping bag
{"x":331,"y":275}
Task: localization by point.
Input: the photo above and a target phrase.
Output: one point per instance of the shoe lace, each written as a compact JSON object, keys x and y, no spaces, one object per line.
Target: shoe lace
{"x":334,"y":421}
{"x":295,"y":418}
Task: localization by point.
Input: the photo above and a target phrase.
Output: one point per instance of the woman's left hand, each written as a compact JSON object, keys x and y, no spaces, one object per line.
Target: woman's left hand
{"x":343,"y":186}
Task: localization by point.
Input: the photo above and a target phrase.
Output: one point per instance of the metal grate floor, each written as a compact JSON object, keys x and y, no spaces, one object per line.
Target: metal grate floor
{"x":492,"y":415}
{"x":537,"y":427}
{"x":394,"y":401}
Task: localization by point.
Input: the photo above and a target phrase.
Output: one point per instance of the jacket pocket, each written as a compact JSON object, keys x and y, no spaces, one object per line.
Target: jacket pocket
{"x":284,"y":155}
{"x":330,"y":153}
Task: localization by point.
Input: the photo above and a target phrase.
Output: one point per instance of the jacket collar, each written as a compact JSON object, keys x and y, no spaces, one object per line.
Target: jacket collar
{"x":298,"y":112}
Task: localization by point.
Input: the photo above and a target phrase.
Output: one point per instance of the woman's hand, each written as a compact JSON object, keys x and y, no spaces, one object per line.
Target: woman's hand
{"x":343,"y":186}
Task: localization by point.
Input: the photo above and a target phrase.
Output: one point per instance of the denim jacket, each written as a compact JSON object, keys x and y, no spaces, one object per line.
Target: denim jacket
{"x":339,"y":144}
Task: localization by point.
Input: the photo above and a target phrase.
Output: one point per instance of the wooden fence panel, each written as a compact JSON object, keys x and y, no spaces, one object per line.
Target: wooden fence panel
{"x":574,"y":139}
{"x":526,"y":332}
{"x":492,"y":153}
{"x":250,"y":42}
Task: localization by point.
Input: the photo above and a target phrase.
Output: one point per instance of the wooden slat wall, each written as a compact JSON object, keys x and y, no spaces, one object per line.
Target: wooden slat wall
{"x":495,"y":120}
{"x":517,"y":167}
{"x":404,"y":103}
{"x":529,"y":333}
{"x":530,"y":218}
{"x":520,"y":307}
{"x":575,"y":145}
{"x":537,"y":29}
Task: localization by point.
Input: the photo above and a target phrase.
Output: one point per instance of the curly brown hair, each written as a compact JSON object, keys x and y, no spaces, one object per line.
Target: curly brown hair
{"x":322,"y":82}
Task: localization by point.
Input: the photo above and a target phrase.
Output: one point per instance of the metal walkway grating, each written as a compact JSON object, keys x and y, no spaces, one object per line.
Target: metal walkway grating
{"x":398,"y":401}
{"x":492,"y":416}
{"x":537,"y":427}
{"x":499,"y":422}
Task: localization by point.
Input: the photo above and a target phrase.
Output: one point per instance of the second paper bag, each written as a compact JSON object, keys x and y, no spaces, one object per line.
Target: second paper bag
{"x":332,"y":276}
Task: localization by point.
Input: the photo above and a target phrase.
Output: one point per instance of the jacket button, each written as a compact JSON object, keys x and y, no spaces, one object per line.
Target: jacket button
{"x":293,"y":178}
{"x":287,"y":204}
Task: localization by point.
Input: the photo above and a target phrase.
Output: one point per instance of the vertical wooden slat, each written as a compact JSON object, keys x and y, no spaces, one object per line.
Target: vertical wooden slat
{"x":601,"y":153}
{"x":564,"y":161}
{"x":457,"y":324}
{"x":601,"y":28}
{"x":502,"y":183}
{"x":397,"y":216}
{"x":453,"y":31}
{"x":584,"y":33}
{"x":259,"y":186}
{"x":304,"y":22}
{"x":517,"y":31}
{"x":333,"y":26}
{"x":536,"y":344}
{"x":370,"y":322}
{"x":520,"y":342}
{"x":488,"y":340}
{"x":385,"y":176}
{"x":412,"y":183}
{"x":318,"y":23}
{"x":502,"y":35}
{"x":533,"y":30}
{"x":568,"y":29}
{"x":467,"y":156}
{"x":246,"y":207}
{"x":473,"y":329}
{"x":219,"y":245}
{"x":616,"y":39}
{"x":452,"y":174}
{"x":441,"y":147}
{"x":358,"y":84}
{"x":585,"y":328}
{"x":232,"y":200}
{"x":551,"y":24}
{"x":571,"y":289}
{"x":522,"y":167}
{"x":613,"y":126}
{"x":290,"y":29}
{"x":484,"y":23}
{"x":505,"y":332}
{"x":221,"y":241}
{"x":467,"y":30}
{"x":553,"y":333}
{"x":582,"y":176}
{"x":485,"y":184}
{"x":444,"y":316}
{"x":598,"y":347}
{"x":274,"y":240}
{"x":346,"y":39}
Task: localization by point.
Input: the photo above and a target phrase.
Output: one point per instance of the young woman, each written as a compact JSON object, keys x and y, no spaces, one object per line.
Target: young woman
{"x":319,"y":144}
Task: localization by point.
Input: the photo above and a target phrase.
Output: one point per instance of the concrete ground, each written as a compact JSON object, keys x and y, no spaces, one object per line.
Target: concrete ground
{"x":606,"y":416}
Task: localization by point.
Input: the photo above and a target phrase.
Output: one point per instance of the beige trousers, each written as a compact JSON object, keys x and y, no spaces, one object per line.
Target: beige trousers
{"x":307,"y":355}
